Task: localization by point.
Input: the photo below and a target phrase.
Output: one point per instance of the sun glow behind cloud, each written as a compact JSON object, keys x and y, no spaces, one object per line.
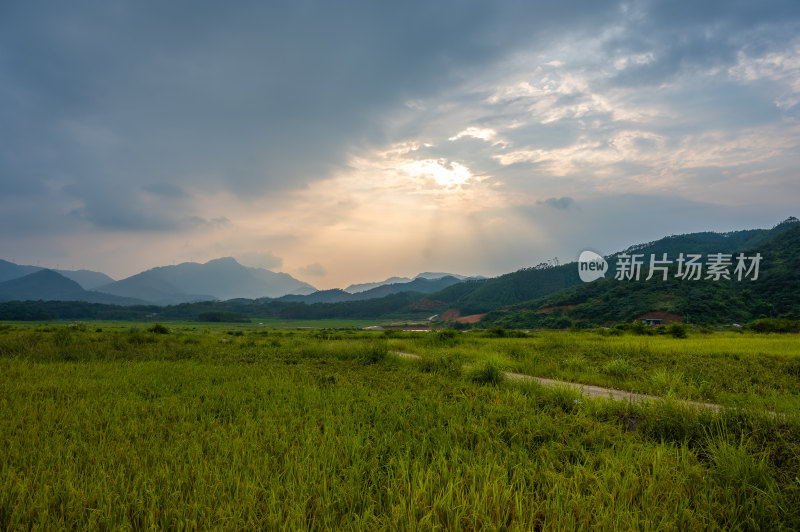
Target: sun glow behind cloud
{"x":446,"y":174}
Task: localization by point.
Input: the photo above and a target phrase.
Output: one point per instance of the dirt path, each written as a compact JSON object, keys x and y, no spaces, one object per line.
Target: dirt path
{"x":588,"y":389}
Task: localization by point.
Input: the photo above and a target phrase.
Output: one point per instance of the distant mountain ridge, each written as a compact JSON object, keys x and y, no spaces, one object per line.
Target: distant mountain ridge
{"x":89,"y":280}
{"x":419,"y":285}
{"x":49,"y":285}
{"x":504,"y":297}
{"x":363,"y":287}
{"x":222,"y":279}
{"x":9,"y":270}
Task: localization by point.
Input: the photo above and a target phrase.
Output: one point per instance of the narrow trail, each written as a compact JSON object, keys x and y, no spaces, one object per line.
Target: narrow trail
{"x":589,"y":389}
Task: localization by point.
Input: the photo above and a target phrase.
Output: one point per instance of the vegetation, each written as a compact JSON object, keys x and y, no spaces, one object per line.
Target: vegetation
{"x":247,"y":428}
{"x":703,"y":302}
{"x":214,"y":311}
{"x":545,"y":296}
{"x":547,"y":285}
{"x":222,"y":316}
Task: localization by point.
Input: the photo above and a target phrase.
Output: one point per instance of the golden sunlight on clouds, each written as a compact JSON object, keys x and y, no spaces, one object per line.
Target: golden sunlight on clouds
{"x":475,"y":132}
{"x":445,"y":174}
{"x":387,"y":212}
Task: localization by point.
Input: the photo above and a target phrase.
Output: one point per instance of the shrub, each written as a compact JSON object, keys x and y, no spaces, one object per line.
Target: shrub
{"x":443,"y":338}
{"x":677,"y":330}
{"x":62,"y":337}
{"x":158,"y":329}
{"x":641,"y":328}
{"x":776,"y":325}
{"x":373,"y":352}
{"x":487,"y":372}
{"x":496,"y":332}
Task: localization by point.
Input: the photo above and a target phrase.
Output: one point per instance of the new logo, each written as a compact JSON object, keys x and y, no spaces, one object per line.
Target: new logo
{"x":591,"y":266}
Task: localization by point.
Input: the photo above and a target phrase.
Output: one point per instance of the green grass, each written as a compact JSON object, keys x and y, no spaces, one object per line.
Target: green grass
{"x":126,"y":428}
{"x":254,"y":323}
{"x":761,"y":372}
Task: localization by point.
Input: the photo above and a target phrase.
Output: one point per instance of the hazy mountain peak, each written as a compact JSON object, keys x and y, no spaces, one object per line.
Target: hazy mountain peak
{"x":363,"y":287}
{"x":223,"y":278}
{"x":224,"y":261}
{"x":49,"y":285}
{"x":439,"y":275}
{"x":88,"y":279}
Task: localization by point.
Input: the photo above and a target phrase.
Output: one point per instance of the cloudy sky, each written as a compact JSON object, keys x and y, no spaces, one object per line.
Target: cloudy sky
{"x":346,"y":142}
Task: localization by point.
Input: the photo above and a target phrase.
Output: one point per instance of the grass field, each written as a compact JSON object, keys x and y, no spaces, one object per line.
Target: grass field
{"x":760,"y":372}
{"x":253,"y":323}
{"x":250,"y":428}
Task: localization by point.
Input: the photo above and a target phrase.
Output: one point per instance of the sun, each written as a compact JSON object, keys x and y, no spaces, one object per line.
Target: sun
{"x":443,"y":173}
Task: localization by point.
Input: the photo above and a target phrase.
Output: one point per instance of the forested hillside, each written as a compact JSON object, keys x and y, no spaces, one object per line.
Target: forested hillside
{"x":706,"y":301}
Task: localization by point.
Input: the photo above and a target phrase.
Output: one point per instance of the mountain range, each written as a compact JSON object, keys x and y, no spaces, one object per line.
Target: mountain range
{"x":218,"y":279}
{"x":50,"y":285}
{"x":222,"y":278}
{"x":420,"y":284}
{"x":541,"y":296}
{"x":87,"y":279}
{"x":363,"y":287}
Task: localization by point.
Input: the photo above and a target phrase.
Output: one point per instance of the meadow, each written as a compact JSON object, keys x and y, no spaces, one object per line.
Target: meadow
{"x":115,"y":426}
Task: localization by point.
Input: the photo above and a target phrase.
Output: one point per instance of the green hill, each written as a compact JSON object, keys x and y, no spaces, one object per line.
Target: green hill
{"x":705,"y":301}
{"x":475,"y":297}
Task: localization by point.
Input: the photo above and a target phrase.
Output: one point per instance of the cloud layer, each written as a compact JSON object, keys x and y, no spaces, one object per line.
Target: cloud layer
{"x":389,"y":139}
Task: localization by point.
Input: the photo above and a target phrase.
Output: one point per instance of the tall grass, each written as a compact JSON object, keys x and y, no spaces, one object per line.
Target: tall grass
{"x":487,"y":371}
{"x":137,"y":429}
{"x":728,"y":368}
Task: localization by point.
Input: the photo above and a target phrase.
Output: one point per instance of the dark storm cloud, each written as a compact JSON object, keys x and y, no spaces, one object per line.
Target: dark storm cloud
{"x":120,"y":209}
{"x":688,"y":36}
{"x":248,"y":97}
{"x":121,"y":106}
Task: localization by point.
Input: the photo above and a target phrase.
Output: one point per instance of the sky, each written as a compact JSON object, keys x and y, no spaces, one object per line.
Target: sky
{"x":346,"y":142}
